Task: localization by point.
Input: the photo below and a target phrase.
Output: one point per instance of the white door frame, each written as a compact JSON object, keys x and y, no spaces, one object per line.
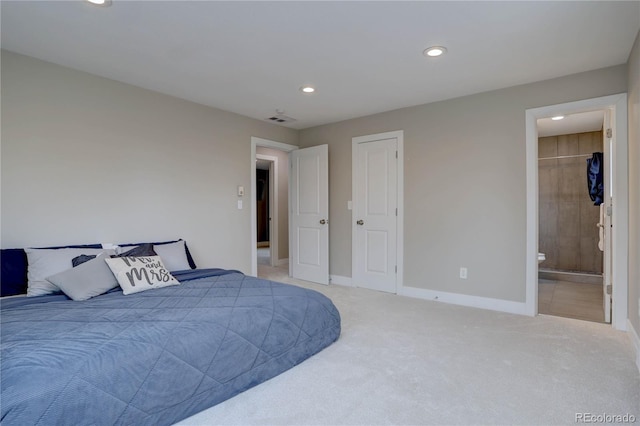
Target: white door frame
{"x":273,"y":206}
{"x":255,"y":142}
{"x":605,"y":221}
{"x":399,"y":136}
{"x":620,"y":218}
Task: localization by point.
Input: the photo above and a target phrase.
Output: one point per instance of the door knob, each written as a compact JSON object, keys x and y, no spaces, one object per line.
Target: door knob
{"x":360,"y":222}
{"x":322,"y":221}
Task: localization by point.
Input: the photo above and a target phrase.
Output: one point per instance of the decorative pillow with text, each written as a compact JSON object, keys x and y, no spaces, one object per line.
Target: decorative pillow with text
{"x":136,"y":274}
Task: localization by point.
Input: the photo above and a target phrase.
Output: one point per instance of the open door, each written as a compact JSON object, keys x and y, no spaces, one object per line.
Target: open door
{"x":309,"y":219}
{"x":605,"y":217}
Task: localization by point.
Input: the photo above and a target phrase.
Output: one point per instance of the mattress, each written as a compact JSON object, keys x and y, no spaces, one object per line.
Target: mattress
{"x":158,"y":356}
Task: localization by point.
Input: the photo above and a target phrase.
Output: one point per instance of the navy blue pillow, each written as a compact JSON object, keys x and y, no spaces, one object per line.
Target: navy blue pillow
{"x":145,"y":249}
{"x":13,"y":276}
{"x":93,"y":246}
{"x":79,"y":260}
{"x":141,"y":250}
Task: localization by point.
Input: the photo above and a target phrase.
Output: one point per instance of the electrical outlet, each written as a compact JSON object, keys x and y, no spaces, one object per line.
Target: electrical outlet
{"x":463,"y":273}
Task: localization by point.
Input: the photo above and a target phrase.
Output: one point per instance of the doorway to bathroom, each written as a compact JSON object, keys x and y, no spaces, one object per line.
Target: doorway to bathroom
{"x":571,"y":215}
{"x":615,"y":286}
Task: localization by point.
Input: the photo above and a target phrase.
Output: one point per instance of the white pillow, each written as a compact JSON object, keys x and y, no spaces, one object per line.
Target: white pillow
{"x":43,"y":263}
{"x":173,"y":255}
{"x":136,"y":274}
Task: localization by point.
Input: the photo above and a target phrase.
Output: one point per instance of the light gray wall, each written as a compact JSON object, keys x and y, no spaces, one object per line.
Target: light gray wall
{"x":87,"y":159}
{"x":634,"y":184}
{"x":283,"y":198}
{"x":465,"y":182}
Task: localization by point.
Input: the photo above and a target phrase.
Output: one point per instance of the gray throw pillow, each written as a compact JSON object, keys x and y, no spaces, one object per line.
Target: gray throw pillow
{"x":87,"y":280}
{"x":44,"y":263}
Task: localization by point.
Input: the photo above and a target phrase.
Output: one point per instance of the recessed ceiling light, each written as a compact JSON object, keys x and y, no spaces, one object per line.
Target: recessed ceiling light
{"x":307,"y":89}
{"x":434,"y":51}
{"x":103,"y":3}
{"x":557,"y":117}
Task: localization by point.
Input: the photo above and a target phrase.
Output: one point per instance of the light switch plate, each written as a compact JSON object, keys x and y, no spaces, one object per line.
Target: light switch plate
{"x":239,"y":204}
{"x":463,"y":273}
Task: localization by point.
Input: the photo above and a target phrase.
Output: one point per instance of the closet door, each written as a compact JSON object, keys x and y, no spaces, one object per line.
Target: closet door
{"x":375,"y":213}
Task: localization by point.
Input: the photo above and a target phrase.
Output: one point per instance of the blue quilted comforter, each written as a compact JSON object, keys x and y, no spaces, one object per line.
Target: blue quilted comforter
{"x":158,"y":356}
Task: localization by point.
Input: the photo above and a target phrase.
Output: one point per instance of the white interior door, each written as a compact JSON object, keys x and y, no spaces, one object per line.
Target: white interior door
{"x":375,"y":193}
{"x":309,"y":220}
{"x":607,"y":234}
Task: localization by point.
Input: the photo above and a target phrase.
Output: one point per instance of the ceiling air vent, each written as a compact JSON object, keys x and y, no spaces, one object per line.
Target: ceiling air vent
{"x":280,"y":118}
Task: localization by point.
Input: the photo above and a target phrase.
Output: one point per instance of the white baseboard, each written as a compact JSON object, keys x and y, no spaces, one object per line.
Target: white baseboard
{"x":453,"y":298}
{"x":465,"y":300}
{"x":340,"y":280}
{"x":633,"y":335}
{"x":282,"y":262}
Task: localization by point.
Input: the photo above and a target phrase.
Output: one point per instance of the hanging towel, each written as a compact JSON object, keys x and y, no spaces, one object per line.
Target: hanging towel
{"x":601,"y":228}
{"x":594,"y":178}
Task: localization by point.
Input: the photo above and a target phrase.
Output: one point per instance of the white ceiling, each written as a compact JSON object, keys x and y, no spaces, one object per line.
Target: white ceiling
{"x":590,"y":121}
{"x":364,"y":57}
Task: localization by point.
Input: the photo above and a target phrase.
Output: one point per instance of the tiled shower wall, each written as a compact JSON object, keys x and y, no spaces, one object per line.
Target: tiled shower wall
{"x":567,"y":217}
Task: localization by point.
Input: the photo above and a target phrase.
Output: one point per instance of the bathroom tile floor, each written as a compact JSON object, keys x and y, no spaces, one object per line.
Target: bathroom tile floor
{"x":570,"y":300}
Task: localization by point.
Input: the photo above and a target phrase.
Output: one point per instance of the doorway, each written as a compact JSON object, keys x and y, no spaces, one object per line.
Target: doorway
{"x":269,"y":207}
{"x":571,"y":216}
{"x":617,"y":275}
{"x":267,"y":212}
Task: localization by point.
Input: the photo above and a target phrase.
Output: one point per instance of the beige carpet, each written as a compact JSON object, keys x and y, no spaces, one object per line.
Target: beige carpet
{"x":403,"y":361}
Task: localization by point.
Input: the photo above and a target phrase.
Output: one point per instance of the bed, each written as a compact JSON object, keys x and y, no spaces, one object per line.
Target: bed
{"x":154,"y":357}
